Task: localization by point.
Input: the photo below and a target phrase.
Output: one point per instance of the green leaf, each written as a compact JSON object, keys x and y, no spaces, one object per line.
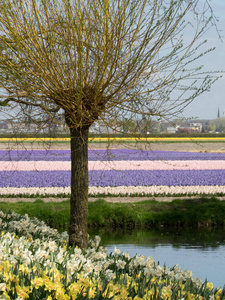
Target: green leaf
{"x":4,"y":103}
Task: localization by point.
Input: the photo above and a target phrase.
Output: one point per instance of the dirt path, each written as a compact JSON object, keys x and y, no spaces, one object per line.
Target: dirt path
{"x":188,"y":146}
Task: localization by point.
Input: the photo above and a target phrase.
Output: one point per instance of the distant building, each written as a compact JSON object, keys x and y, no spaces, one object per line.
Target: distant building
{"x":99,"y":127}
{"x":3,"y":125}
{"x":196,"y":126}
{"x":192,"y":127}
{"x":171,"y":129}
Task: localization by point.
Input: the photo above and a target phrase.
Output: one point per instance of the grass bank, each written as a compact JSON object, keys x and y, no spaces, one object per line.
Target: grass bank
{"x":188,"y":213}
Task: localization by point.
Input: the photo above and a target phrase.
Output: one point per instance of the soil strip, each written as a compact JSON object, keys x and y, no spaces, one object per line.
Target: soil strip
{"x":107,"y":199}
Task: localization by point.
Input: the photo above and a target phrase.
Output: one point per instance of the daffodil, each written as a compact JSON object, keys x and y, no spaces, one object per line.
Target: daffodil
{"x":30,"y":264}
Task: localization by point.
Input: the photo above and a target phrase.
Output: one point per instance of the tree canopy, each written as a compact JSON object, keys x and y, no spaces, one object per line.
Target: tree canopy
{"x":101,"y":56}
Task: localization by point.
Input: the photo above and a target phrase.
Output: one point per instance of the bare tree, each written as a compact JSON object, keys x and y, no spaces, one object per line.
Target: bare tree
{"x":100,"y":59}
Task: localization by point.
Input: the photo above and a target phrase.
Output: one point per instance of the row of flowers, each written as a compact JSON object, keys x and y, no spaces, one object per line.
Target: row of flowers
{"x":107,"y":155}
{"x":115,"y":165}
{"x":117,"y":191}
{"x":47,"y":172}
{"x":37,"y":263}
{"x":113,"y":178}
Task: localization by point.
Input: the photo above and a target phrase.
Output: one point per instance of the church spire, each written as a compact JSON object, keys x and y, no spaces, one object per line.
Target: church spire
{"x":218,"y":114}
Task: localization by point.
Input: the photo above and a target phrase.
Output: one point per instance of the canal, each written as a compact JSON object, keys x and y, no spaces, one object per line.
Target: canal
{"x":201,"y":251}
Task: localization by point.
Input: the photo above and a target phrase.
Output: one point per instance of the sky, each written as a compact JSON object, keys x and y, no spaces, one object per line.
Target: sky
{"x":206,"y":105}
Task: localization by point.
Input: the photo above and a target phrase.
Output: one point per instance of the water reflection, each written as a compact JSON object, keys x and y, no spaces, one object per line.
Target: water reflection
{"x":201,"y":251}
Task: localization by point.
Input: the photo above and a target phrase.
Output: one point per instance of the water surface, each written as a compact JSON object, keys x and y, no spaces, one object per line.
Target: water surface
{"x":201,"y":251}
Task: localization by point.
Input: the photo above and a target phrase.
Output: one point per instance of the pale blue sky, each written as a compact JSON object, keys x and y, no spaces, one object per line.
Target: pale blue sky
{"x":206,"y":106}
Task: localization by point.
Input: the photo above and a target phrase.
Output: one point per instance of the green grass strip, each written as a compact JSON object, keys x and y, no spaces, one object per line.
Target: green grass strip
{"x":200,"y":212}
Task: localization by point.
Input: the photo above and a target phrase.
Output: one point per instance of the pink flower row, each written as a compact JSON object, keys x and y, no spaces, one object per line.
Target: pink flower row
{"x":114,"y":165}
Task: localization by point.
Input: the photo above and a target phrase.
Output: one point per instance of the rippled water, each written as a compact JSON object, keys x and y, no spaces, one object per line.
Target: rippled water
{"x":201,"y":251}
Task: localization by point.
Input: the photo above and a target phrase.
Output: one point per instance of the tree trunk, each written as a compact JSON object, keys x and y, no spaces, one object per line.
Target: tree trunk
{"x":78,"y":232}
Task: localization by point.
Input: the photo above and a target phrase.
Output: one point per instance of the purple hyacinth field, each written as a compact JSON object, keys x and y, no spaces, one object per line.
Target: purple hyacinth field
{"x":117,"y":172}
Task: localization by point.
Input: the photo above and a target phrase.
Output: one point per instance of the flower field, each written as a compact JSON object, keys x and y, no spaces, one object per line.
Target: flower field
{"x":37,"y":263}
{"x":116,"y":172}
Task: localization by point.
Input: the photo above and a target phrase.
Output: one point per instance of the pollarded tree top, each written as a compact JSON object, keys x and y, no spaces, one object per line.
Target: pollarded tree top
{"x":98,"y":58}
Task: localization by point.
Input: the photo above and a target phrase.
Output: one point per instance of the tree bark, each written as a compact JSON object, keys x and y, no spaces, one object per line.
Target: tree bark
{"x":78,"y":231}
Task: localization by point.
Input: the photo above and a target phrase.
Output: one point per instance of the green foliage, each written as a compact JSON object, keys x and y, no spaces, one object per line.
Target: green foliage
{"x":55,"y":214}
{"x":199,"y":212}
{"x":218,"y":124}
{"x":4,"y":103}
